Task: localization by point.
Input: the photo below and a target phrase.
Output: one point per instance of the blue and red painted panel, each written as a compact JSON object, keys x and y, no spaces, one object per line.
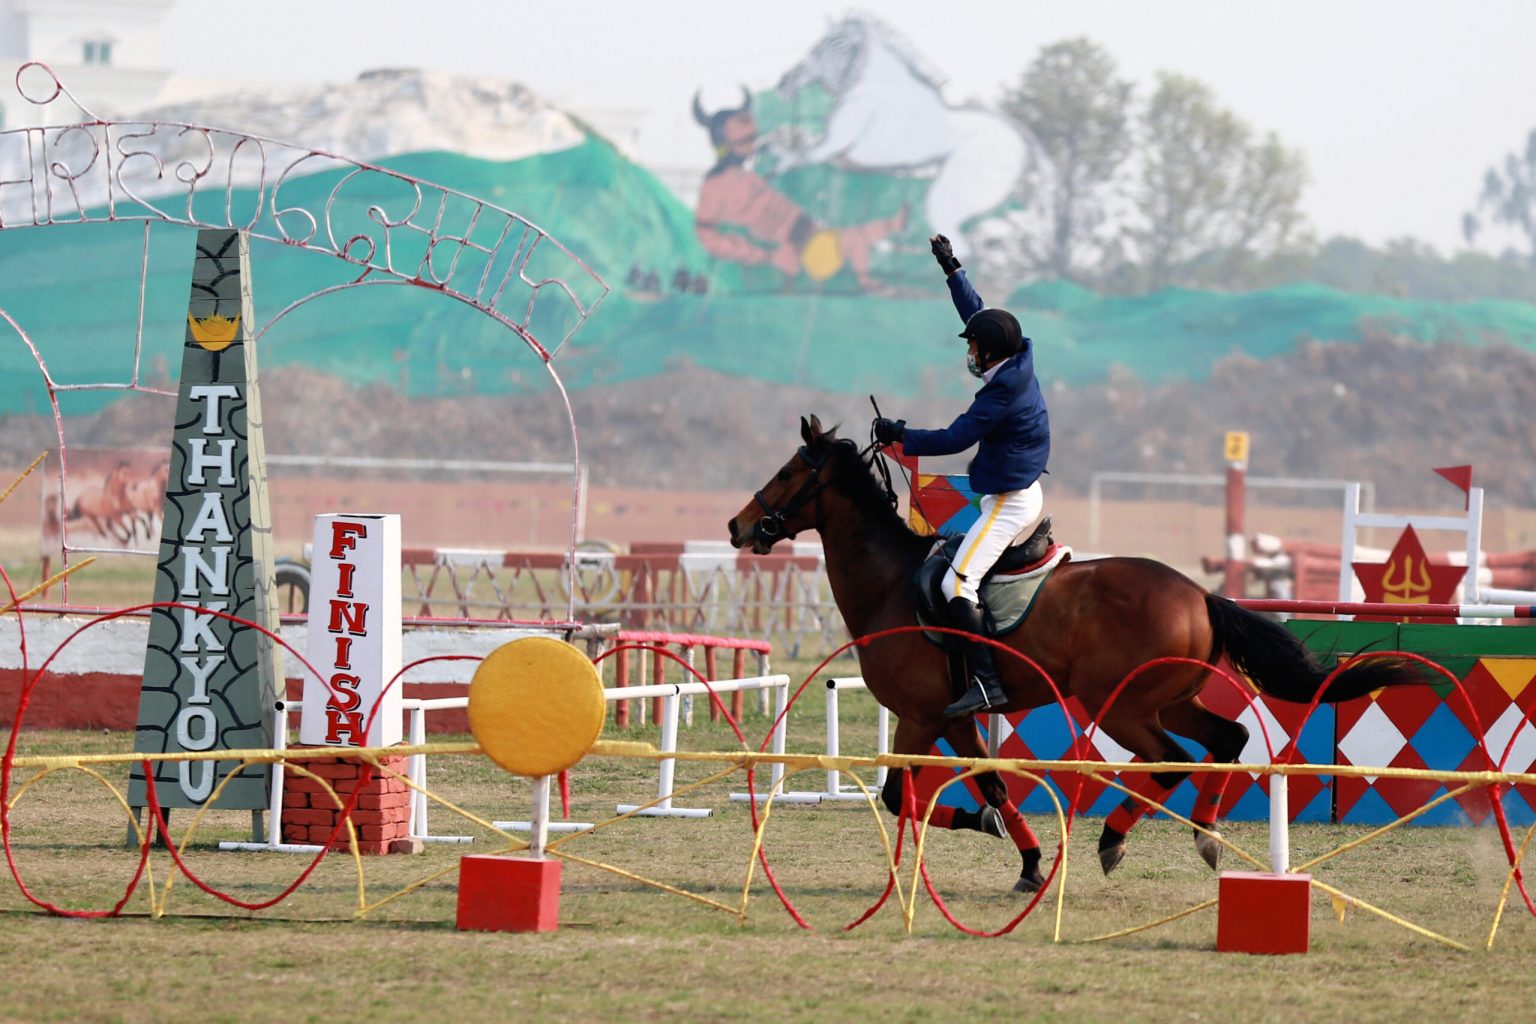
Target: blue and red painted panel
{"x":1044,"y":734}
{"x":1424,"y":727}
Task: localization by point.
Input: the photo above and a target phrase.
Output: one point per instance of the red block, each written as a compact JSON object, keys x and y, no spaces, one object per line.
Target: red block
{"x":508,"y":894}
{"x":1263,"y":913}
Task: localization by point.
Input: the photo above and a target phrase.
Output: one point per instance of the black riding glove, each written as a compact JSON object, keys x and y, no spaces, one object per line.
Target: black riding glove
{"x":889,"y":431}
{"x":944,"y":254}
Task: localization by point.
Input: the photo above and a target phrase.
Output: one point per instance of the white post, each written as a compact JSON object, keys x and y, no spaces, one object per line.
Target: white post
{"x":834,"y":777}
{"x":540,"y":833}
{"x":670,"y":706}
{"x":1347,"y":542}
{"x":883,"y":745}
{"x":416,"y":769}
{"x":1279,"y":825}
{"x":279,"y":742}
{"x":1470,"y":585}
{"x":781,"y":726}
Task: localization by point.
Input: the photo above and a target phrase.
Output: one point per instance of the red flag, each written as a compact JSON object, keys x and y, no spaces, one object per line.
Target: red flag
{"x":1461,"y":476}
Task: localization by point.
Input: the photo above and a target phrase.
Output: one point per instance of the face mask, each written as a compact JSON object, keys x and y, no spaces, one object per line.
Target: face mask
{"x":974,"y":367}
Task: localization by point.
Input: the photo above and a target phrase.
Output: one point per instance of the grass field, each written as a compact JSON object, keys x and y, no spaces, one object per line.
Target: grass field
{"x":626,"y":950}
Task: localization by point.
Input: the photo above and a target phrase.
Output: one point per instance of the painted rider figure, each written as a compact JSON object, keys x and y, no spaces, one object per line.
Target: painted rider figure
{"x":1008,"y":424}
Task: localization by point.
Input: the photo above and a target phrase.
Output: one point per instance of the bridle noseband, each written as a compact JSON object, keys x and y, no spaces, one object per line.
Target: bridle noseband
{"x":770,"y":528}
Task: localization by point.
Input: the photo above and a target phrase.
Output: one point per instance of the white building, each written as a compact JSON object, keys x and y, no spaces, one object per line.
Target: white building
{"x":108,"y":52}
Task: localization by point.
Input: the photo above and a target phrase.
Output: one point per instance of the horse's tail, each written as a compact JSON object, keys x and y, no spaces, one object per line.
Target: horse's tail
{"x":1282,"y":666}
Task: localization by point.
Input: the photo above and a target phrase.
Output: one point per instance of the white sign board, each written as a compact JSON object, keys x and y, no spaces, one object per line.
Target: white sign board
{"x":354,"y":633}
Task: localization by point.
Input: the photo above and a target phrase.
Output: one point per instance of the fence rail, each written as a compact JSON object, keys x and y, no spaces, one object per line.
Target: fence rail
{"x":782,"y":598}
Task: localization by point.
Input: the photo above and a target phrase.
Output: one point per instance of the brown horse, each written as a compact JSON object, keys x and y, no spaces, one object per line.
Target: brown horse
{"x":1094,"y":623}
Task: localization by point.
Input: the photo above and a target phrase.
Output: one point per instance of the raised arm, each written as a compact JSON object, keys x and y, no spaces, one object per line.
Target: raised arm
{"x":967,"y":302}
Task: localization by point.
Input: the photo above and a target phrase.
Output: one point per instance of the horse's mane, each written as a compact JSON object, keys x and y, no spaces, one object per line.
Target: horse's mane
{"x":856,"y":480}
{"x":899,"y":45}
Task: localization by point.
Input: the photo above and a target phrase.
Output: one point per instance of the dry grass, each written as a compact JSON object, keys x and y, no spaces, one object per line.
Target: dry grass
{"x":625,"y":950}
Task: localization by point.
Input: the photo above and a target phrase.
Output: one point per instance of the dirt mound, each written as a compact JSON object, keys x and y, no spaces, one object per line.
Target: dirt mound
{"x":1383,"y":410}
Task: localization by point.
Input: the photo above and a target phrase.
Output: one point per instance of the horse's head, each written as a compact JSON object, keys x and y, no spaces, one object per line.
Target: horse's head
{"x":832,"y":63}
{"x":788,"y":502}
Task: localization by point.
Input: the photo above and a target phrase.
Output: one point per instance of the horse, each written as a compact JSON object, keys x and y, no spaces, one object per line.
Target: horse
{"x":888,"y":115}
{"x":1094,"y":624}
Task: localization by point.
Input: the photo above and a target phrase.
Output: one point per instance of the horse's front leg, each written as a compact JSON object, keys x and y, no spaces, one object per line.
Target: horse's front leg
{"x":919,"y":739}
{"x":1000,"y":816}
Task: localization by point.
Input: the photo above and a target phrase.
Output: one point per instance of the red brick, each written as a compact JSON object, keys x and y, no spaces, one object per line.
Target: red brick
{"x":293,"y":798}
{"x":309,"y":816}
{"x":381,"y":833}
{"x":387,"y":801}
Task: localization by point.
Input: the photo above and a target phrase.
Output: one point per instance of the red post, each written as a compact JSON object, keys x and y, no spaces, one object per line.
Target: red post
{"x":738,"y":667}
{"x":709,"y":673}
{"x":1234,"y":581}
{"x":621,"y":678}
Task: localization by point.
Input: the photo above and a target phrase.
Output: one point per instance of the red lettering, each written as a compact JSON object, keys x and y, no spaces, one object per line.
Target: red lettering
{"x":344,"y":538}
{"x":344,"y":696}
{"x":343,"y":652}
{"x":344,"y":581}
{"x":351,"y":614}
{"x":343,"y":723}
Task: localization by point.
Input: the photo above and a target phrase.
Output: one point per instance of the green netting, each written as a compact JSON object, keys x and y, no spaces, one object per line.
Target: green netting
{"x":75,"y":290}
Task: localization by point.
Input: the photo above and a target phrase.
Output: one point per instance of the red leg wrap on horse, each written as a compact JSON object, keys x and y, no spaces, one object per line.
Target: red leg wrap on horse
{"x":1123,"y":818}
{"x":1208,"y":804}
{"x":1018,"y":829}
{"x":943,"y":817}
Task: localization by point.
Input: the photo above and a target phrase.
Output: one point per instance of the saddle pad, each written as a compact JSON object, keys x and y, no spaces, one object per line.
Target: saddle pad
{"x":1007,"y":597}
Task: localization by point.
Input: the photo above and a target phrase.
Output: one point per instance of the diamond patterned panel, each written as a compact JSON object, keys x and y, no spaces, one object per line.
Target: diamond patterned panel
{"x":1414,"y":728}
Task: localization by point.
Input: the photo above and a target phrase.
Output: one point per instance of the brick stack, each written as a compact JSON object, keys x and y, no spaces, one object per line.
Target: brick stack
{"x":381,"y":814}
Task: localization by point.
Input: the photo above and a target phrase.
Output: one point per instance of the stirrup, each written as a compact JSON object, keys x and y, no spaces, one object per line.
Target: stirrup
{"x":975,"y":701}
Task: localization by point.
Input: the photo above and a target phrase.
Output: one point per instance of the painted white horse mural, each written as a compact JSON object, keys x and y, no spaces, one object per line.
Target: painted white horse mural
{"x":888,"y":115}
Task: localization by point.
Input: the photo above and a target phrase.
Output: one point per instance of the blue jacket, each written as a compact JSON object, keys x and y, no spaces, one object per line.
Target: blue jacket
{"x":1007,"y":420}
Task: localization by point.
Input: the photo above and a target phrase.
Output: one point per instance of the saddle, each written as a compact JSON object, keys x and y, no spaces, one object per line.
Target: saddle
{"x":1007,"y":591}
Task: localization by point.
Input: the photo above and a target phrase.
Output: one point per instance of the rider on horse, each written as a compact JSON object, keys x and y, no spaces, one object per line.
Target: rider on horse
{"x":1007,"y":421}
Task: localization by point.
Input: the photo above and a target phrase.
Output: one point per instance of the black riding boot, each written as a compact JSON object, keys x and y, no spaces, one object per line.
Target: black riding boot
{"x":986,"y":688}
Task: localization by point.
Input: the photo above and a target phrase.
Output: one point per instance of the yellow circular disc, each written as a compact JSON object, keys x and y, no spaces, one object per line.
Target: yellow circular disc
{"x":822,"y":256}
{"x":536,"y":706}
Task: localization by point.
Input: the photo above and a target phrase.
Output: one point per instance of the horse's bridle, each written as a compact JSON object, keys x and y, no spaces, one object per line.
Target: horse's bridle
{"x":770,"y":528}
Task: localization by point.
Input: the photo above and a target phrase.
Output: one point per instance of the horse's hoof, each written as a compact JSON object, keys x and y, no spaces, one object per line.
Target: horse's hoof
{"x":1210,"y":849}
{"x":1030,"y":883}
{"x":1030,"y":878}
{"x":1110,"y":856}
{"x":990,"y":821}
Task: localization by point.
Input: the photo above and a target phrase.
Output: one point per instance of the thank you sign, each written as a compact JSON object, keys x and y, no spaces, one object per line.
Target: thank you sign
{"x":211,"y":683}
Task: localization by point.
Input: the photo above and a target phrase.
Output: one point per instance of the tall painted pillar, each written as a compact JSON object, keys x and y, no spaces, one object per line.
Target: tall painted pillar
{"x":210,"y":683}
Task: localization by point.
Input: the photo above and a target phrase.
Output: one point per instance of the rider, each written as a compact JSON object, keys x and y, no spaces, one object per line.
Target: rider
{"x":1007,"y":422}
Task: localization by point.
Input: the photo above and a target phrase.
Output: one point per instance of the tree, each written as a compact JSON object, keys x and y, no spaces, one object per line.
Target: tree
{"x":1208,"y":199}
{"x":1508,"y":196}
{"x":1071,"y":99}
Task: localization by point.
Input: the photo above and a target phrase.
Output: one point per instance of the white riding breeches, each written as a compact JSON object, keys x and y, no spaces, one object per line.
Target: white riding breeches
{"x":1004,"y":518}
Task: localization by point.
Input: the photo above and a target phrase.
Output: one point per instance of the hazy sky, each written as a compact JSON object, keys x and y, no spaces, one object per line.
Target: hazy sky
{"x":1399,"y":105}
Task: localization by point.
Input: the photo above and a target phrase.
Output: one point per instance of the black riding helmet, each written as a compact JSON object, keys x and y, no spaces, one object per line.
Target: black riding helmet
{"x":996,"y":333}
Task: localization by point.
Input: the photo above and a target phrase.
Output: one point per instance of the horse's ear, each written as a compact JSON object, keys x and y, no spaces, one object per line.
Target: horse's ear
{"x":809,"y":429}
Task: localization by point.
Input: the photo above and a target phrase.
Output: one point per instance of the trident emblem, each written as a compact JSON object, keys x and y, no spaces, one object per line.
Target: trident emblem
{"x":1406,"y":589}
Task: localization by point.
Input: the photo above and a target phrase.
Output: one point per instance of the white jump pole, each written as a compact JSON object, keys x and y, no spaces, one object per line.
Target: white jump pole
{"x":274,"y":843}
{"x":416,"y":767}
{"x":834,"y":743}
{"x":1279,"y":824}
{"x":671,"y":703}
{"x":539,"y":837}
